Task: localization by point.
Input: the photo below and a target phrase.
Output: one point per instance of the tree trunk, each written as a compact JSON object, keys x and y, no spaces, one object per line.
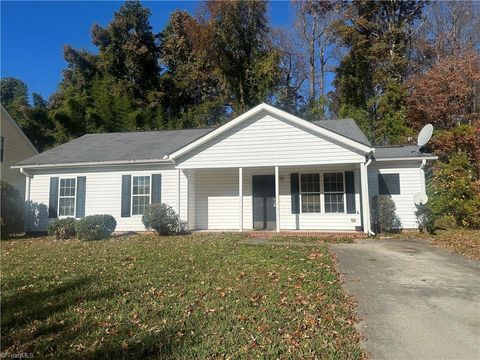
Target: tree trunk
{"x":312,"y":94}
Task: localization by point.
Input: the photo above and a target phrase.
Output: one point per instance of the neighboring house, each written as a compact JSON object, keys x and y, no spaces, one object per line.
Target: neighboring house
{"x":266,"y":169}
{"x":14,"y":147}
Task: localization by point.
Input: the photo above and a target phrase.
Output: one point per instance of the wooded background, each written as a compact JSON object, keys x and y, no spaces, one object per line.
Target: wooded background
{"x":395,"y":65}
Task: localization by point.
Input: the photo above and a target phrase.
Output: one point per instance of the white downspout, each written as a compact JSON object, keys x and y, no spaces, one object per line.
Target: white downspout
{"x":422,"y":175}
{"x":370,"y":232}
{"x":28,"y":178}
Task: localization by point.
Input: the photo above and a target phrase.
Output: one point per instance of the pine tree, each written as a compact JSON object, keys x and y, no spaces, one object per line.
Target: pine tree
{"x":371,"y":77}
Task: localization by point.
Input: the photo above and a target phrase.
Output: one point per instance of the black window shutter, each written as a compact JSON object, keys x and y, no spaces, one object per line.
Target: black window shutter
{"x":350,"y":191}
{"x":53,"y":198}
{"x":389,"y":184}
{"x":156,"y":188}
{"x":126,"y":195}
{"x":294,"y":191}
{"x":81,"y":188}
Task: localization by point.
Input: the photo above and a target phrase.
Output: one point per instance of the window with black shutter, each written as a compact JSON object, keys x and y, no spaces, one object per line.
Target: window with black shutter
{"x":389,"y":184}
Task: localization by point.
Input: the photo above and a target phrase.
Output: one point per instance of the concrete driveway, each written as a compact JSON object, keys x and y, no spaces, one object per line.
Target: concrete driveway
{"x":416,"y":301}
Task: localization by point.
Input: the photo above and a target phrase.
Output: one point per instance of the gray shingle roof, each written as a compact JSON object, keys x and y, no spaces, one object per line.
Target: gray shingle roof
{"x":399,"y":151}
{"x":154,"y":145}
{"x":128,"y":146}
{"x":344,"y":127}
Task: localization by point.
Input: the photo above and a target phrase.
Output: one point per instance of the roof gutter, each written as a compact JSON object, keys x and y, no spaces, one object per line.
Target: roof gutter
{"x":94,"y":163}
{"x":425,"y":158}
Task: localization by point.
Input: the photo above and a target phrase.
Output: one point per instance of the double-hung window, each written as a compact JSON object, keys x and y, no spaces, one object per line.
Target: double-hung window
{"x":140,"y":194}
{"x":66,"y":197}
{"x":334,"y":191}
{"x":310,"y":190}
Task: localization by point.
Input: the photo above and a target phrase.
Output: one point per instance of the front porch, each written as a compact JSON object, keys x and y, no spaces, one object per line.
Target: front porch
{"x":309,"y":200}
{"x":291,"y":233}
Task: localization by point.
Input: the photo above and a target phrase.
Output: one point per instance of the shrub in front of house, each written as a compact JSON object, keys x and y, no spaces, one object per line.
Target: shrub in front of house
{"x":12,"y":210}
{"x":383,"y":215}
{"x":95,"y":227}
{"x":426,"y":219}
{"x":62,"y":228}
{"x":163,"y":219}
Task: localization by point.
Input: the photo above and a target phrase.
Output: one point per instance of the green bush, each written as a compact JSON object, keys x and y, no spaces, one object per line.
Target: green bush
{"x":383,"y":215}
{"x":425,"y":219}
{"x":62,"y":228}
{"x":445,"y":222}
{"x":95,"y":227}
{"x":12,"y":211}
{"x":454,"y":191}
{"x":163,"y":219}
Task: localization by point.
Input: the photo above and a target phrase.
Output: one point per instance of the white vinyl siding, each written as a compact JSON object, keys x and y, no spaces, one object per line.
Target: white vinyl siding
{"x":103,"y":193}
{"x":265,"y":140}
{"x":411,"y":178}
{"x":217,"y":202}
{"x":16,"y":148}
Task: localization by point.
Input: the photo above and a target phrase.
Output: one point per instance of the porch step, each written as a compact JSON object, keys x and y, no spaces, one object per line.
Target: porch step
{"x":336,"y":234}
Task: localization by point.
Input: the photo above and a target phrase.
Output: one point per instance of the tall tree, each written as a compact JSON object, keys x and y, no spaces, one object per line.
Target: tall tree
{"x":193,"y":81}
{"x":313,"y":27}
{"x":448,"y":94}
{"x":237,"y":40}
{"x":33,"y":120}
{"x":14,"y":97}
{"x":117,"y":89}
{"x":449,"y":29}
{"x":370,"y":79}
{"x":128,"y":49}
{"x":293,"y":74}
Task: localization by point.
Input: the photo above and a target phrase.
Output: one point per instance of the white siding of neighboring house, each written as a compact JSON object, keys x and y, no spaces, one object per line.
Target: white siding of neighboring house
{"x":103,"y":193}
{"x":264,"y":140}
{"x":411,"y":179}
{"x":217,"y":201}
{"x":17,"y":148}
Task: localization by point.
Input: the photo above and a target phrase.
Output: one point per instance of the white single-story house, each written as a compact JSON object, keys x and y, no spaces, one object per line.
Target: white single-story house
{"x":264,"y":170}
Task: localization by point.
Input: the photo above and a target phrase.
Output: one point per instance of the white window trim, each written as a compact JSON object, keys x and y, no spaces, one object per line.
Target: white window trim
{"x":66,"y":197}
{"x":336,"y":192}
{"x":132,"y":195}
{"x":322,"y":193}
{"x":306,"y":193}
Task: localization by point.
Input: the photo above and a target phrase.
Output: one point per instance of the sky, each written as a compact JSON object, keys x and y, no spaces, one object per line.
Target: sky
{"x":33,"y":33}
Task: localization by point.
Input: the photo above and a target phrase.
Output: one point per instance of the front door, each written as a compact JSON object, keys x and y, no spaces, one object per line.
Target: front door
{"x":264,"y":216}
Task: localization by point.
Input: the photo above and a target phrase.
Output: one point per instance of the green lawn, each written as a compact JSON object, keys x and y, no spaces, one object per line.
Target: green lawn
{"x":174,"y":297}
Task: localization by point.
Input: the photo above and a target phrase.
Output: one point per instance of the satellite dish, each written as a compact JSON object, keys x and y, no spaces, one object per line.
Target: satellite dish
{"x":420,"y":198}
{"x":425,"y":135}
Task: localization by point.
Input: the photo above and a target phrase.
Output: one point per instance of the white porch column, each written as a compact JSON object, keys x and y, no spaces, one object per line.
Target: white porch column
{"x":240,"y":199}
{"x":277,"y":199}
{"x":187,"y":198}
{"x":178,"y":192}
{"x":365,"y":198}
